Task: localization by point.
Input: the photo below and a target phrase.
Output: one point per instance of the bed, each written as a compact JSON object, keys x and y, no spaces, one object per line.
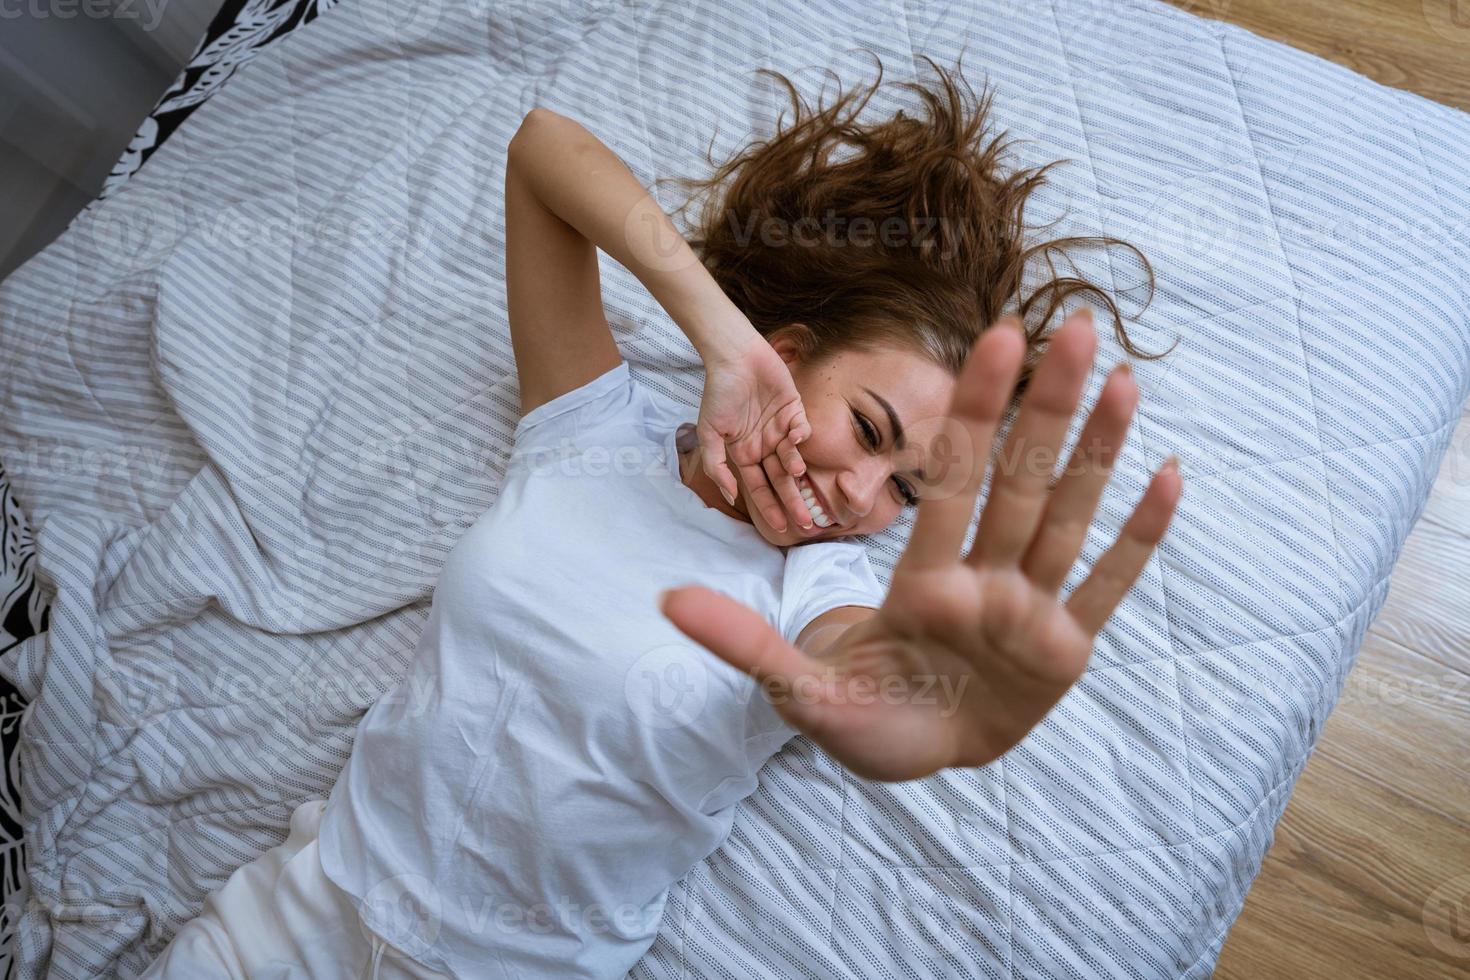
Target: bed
{"x":254,"y":395}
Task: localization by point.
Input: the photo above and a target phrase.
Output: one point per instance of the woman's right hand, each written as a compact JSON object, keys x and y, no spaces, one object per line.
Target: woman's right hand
{"x":751,"y":418}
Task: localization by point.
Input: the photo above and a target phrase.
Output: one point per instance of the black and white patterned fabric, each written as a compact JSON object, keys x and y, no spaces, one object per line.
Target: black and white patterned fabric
{"x":240,"y":30}
{"x":23,"y":613}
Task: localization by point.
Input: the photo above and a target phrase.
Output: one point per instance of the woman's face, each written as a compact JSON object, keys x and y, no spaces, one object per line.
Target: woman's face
{"x":859,"y":404}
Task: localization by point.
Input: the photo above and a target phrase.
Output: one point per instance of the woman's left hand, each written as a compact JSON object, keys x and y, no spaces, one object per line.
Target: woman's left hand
{"x":751,"y":416}
{"x":968,"y":652}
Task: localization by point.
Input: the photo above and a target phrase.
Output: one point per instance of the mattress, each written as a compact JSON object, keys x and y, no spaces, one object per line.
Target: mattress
{"x":255,"y":395}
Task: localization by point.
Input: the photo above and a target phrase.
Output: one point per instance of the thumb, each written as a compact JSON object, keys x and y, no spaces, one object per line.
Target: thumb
{"x":789,"y":678}
{"x":734,"y":632}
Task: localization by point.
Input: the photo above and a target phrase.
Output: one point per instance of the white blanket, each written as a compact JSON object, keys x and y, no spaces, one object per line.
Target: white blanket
{"x":251,"y":400}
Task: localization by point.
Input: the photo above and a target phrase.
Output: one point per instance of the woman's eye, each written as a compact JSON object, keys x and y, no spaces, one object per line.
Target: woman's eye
{"x":871,"y":436}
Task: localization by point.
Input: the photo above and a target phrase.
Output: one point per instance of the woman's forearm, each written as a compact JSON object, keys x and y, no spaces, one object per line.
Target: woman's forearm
{"x":579,"y":179}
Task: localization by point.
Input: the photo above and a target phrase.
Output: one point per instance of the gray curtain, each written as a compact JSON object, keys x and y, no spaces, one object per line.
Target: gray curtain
{"x":76,"y":79}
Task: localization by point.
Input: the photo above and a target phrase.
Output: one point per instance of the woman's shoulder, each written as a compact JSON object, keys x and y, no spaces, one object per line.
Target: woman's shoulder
{"x":847,"y":550}
{"x":823,"y":575}
{"x":660,"y":403}
{"x":836,"y":559}
{"x":617,"y":407}
{"x":602,"y":395}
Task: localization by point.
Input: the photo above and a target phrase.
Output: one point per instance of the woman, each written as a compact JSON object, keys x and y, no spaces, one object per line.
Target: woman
{"x":559,"y":754}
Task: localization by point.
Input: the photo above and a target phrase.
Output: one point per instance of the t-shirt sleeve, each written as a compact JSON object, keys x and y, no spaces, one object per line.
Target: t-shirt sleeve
{"x":822,"y":576}
{"x":575,"y":413}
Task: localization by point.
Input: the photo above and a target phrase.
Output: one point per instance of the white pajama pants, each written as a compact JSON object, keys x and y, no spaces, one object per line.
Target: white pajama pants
{"x":281,"y":918}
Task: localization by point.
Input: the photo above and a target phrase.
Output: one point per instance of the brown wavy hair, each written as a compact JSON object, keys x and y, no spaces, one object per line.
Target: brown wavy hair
{"x":953,"y":261}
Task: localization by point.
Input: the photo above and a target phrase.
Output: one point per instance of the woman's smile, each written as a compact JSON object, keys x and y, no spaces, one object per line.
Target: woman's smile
{"x":816,"y":504}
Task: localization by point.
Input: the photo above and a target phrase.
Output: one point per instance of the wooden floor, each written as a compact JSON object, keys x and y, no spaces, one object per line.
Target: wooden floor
{"x":1369,"y":876}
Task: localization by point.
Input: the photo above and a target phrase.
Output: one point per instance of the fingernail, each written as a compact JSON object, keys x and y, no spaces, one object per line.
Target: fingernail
{"x":1125,"y":368}
{"x":726,"y":494}
{"x":1171,"y":463}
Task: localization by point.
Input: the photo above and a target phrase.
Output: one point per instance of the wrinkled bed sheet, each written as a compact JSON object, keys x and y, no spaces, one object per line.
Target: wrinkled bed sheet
{"x":251,"y":400}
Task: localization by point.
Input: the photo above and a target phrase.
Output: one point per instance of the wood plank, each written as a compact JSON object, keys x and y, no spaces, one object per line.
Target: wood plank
{"x":1351,"y":871}
{"x":1427,"y":609}
{"x":1391,"y":699}
{"x":1449,"y":500}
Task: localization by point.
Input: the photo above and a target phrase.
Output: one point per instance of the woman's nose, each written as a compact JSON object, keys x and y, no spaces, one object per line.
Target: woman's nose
{"x":860,"y":484}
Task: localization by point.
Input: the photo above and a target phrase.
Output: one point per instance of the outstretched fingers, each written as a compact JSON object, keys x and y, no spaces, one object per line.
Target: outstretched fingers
{"x":981,"y":395}
{"x":1024,"y":467}
{"x":1119,"y":567}
{"x":1075,"y":497}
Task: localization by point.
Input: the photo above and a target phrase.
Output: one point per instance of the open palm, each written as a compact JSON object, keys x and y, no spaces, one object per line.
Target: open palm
{"x":968,"y":651}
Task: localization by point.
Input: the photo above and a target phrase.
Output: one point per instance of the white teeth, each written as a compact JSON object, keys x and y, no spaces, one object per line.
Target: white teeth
{"x":819,"y":517}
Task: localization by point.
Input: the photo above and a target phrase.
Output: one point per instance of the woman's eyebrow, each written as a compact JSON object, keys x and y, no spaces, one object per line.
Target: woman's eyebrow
{"x":896,"y":426}
{"x":893,"y":422}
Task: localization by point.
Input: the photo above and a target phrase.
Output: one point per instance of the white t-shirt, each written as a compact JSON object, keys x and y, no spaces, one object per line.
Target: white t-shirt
{"x":559,"y":754}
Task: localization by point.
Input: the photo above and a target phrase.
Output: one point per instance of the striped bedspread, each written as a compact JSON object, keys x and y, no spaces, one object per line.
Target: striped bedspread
{"x":251,"y":399}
